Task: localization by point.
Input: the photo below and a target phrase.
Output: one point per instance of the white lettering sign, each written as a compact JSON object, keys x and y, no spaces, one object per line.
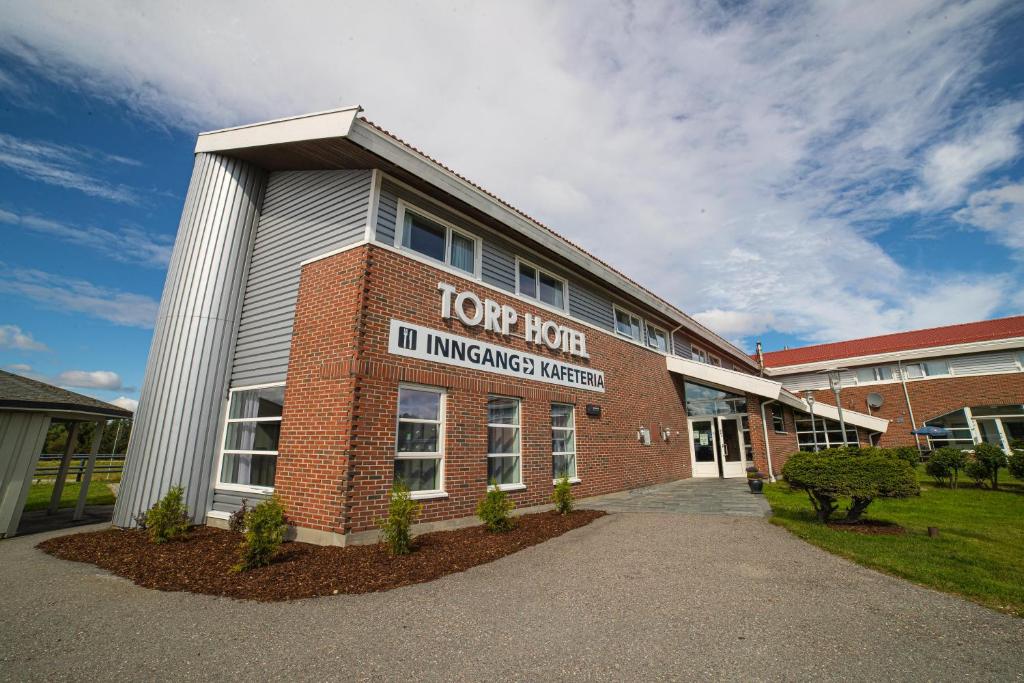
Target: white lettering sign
{"x":501,"y":318}
{"x":415,"y":341}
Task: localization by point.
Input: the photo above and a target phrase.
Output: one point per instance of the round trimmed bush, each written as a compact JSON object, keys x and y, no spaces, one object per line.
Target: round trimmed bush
{"x":988,"y":460}
{"x":830,"y":474}
{"x":945,"y":465}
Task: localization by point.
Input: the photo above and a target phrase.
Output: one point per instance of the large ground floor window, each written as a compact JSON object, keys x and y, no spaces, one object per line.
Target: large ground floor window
{"x":822,"y":433}
{"x":251,"y":436}
{"x":504,"y":465}
{"x":1000,"y":425}
{"x":419,"y":448}
{"x":563,"y":440}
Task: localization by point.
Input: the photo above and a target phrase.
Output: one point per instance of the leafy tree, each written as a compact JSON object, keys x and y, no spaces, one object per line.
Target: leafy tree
{"x":945,"y":465}
{"x":907,"y":453}
{"x":1016,"y":463}
{"x":988,"y":460}
{"x":830,"y":474}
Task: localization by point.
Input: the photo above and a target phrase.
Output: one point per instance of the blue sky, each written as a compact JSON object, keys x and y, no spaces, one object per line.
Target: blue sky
{"x":794,"y":172}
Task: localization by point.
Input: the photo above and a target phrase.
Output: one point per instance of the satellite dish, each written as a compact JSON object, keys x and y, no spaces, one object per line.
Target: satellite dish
{"x":875,"y":400}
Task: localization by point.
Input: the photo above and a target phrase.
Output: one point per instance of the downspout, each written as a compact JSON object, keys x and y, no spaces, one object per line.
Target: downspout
{"x":767,"y":446}
{"x":672,"y":338}
{"x":910,"y":408}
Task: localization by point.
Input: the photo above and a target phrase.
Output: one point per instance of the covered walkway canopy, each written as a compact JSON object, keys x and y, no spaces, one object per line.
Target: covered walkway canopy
{"x":27,"y":408}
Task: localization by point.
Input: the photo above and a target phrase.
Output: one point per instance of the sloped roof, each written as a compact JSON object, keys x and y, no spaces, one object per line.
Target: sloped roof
{"x":966,"y":333}
{"x":17,"y":391}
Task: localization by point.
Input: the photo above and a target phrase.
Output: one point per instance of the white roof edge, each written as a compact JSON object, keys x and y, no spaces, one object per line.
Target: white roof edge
{"x":335,"y":123}
{"x":909,"y":354}
{"x":869,"y":422}
{"x":730,"y":379}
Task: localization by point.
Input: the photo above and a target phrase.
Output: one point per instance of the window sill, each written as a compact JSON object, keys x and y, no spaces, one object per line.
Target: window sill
{"x":428,"y":495}
{"x":218,"y":514}
{"x":242,"y":488}
{"x":511,"y":487}
{"x":572,"y":480}
{"x":778,"y":432}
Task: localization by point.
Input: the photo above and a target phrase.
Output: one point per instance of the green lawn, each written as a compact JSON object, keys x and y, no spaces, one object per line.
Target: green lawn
{"x":39,"y":495}
{"x":979,"y":553}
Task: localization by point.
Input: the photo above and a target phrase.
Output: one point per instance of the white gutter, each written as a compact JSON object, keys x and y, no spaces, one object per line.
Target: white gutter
{"x":767,"y":446}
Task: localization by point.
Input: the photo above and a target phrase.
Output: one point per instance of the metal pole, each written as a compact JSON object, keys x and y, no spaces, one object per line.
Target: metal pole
{"x":83,"y":493}
{"x":837,"y":382}
{"x":809,"y":397}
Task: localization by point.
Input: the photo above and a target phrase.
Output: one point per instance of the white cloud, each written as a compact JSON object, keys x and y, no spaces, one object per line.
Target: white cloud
{"x":127,"y":245}
{"x":90,"y":379}
{"x":20,"y":368}
{"x":126,"y":403}
{"x":723,"y":156}
{"x":71,"y":294}
{"x":1000,"y":212}
{"x":13,"y":337}
{"x":62,"y":166}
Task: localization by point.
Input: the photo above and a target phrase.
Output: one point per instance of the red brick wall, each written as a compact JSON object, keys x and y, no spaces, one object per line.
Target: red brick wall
{"x":782,"y":444}
{"x":336,"y":464}
{"x":930,"y":398}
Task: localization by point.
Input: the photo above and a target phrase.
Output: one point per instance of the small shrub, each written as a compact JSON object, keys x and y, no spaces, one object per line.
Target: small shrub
{"x":1016,"y":463}
{"x":976,"y":471}
{"x":992,"y":459}
{"x":494,"y":508}
{"x":236,"y":522}
{"x":910,"y":454}
{"x":395,"y":529}
{"x":945,"y":465}
{"x":833,"y":473}
{"x":562,"y":497}
{"x":168,"y":519}
{"x":265,"y":526}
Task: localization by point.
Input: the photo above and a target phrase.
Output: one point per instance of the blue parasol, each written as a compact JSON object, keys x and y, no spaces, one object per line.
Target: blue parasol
{"x":934,"y":432}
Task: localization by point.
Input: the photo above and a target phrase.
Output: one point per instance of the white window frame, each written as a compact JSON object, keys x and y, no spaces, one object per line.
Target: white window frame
{"x":876,"y":371}
{"x":222,"y":451}
{"x":425,"y":455}
{"x":702,"y":355}
{"x":616,"y":309}
{"x":536,"y":299}
{"x":649,"y":326}
{"x":575,"y":479}
{"x":400,"y":216}
{"x":782,"y":416}
{"x":516,"y":486}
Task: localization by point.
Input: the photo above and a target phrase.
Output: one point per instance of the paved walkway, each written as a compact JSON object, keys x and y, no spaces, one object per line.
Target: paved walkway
{"x":630,"y":597}
{"x":689,"y":496}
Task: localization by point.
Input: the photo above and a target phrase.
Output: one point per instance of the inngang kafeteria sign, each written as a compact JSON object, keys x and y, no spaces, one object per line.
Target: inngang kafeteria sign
{"x":416,"y":341}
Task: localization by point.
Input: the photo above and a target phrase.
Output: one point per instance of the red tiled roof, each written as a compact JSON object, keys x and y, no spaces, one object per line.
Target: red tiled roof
{"x":985,"y":330}
{"x":533,"y":220}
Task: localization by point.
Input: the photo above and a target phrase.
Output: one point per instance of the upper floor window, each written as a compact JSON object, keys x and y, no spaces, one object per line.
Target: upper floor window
{"x":879,"y":373}
{"x":537,"y":284}
{"x":627,"y":324}
{"x":251,"y":436}
{"x":700,"y":355}
{"x":928,"y":368}
{"x":436,"y":240}
{"x":657,"y":338}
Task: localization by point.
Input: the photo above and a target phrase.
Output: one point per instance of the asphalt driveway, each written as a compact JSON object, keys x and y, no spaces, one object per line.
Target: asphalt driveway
{"x":630,"y":597}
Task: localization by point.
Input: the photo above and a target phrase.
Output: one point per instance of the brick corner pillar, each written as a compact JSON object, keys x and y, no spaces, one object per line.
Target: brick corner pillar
{"x":176,"y":430}
{"x":321,"y":395}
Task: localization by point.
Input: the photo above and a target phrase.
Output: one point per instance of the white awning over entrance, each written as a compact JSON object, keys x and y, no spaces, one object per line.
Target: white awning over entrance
{"x":741,"y":382}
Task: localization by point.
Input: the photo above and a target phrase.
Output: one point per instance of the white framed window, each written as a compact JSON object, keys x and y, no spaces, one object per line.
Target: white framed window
{"x":252,"y":432}
{"x":563,"y":441}
{"x":438,"y":240}
{"x":504,"y":464}
{"x":657,"y":338}
{"x":419,"y":442}
{"x":628,"y":325}
{"x":878,"y":373}
{"x":927,"y":368}
{"x":778,"y":420}
{"x":535,"y":283}
{"x":701,"y":356}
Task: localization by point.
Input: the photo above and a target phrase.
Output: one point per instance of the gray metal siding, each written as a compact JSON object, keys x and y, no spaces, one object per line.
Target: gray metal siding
{"x":305,"y":214}
{"x":387,"y":212}
{"x":983,"y":363}
{"x":498,"y":265}
{"x":681,"y":346}
{"x":591,"y":307}
{"x":21,"y":441}
{"x":229,"y":501}
{"x":176,"y":429}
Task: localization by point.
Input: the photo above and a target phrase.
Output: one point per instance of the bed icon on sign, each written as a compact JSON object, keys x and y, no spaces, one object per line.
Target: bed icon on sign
{"x":407,"y":338}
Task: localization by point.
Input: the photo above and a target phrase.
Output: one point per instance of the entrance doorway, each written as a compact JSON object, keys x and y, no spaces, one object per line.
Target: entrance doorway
{"x":718,"y":447}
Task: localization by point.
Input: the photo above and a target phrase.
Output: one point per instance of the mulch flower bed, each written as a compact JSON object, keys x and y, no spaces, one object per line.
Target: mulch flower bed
{"x":202,"y":562}
{"x":870,"y":527}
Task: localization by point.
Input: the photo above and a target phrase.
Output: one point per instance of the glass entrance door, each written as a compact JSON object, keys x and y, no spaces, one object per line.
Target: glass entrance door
{"x":731,"y":451}
{"x":705,"y":460}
